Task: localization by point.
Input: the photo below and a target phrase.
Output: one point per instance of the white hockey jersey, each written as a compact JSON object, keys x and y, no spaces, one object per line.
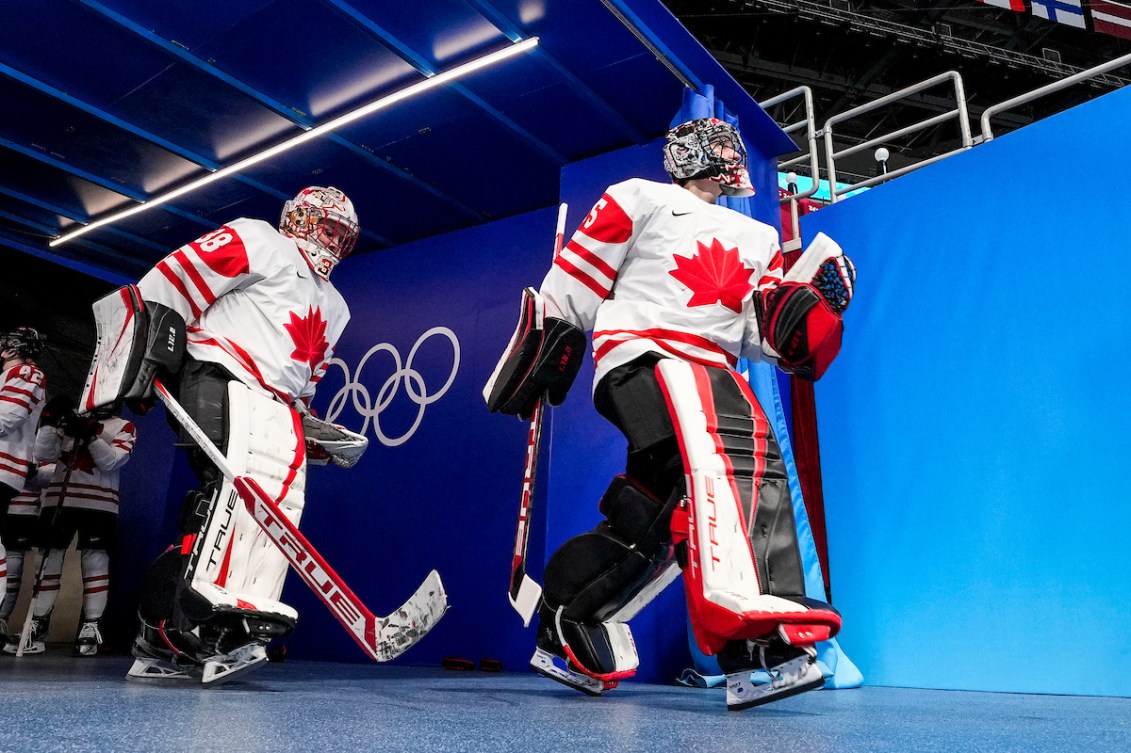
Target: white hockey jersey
{"x":655,"y":269}
{"x":87,"y":476}
{"x":28,"y":501}
{"x":22,"y":390}
{"x":253,"y":305}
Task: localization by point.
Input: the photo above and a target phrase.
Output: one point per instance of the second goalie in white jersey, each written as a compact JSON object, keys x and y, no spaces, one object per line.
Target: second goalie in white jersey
{"x":675,"y":289}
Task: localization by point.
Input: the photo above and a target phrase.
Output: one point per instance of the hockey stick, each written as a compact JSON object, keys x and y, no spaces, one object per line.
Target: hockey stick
{"x":523,"y":591}
{"x":25,"y":634}
{"x":382,"y":638}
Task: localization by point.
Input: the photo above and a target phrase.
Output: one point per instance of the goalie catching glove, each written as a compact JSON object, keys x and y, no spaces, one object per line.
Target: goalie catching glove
{"x":800,"y":319}
{"x":541,"y":360}
{"x":331,"y":443}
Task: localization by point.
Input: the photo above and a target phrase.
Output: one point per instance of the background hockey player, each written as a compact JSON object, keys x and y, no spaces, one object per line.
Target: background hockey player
{"x":22,"y":391}
{"x":261,"y":320}
{"x":675,"y":289}
{"x":81,"y":500}
{"x":23,"y":529}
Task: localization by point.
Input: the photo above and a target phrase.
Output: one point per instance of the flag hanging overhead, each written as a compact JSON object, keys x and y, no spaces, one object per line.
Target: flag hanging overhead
{"x":1111,"y":18}
{"x":1017,"y":5}
{"x":1068,"y":12}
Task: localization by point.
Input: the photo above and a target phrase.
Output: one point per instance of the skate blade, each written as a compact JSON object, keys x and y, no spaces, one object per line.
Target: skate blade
{"x":13,"y":649}
{"x":155,"y":669}
{"x":543,"y":663}
{"x":810,"y":679}
{"x":221,"y":670}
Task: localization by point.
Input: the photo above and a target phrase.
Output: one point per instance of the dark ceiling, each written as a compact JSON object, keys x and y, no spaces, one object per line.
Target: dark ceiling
{"x":851,"y":52}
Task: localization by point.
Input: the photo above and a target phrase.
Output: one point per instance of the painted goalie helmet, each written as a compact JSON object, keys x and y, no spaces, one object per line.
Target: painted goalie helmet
{"x":24,"y":341}
{"x":322,"y":223}
{"x":708,"y":148}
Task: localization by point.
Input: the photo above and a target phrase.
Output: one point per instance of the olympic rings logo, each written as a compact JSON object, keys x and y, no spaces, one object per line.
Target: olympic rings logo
{"x":370,"y":408}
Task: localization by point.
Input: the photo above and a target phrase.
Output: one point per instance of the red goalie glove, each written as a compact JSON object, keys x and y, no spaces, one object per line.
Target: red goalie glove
{"x":800,"y":325}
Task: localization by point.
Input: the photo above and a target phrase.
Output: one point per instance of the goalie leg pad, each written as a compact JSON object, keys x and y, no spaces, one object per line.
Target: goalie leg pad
{"x":598,"y":580}
{"x":542,"y":358}
{"x":743,"y":574}
{"x":232,"y":554}
{"x":219,"y":591}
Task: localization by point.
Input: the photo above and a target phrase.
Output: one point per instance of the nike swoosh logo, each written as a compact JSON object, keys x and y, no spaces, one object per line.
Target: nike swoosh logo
{"x":679,"y":214}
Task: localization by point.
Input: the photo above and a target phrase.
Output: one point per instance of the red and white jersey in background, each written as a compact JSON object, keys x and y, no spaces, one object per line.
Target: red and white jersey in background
{"x":21,"y":401}
{"x":28,"y":501}
{"x":86,"y":476}
{"x":655,"y":269}
{"x":253,"y":305}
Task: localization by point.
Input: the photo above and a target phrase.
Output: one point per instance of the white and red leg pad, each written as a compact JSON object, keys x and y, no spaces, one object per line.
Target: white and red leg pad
{"x":236,"y":564}
{"x":723,"y":436}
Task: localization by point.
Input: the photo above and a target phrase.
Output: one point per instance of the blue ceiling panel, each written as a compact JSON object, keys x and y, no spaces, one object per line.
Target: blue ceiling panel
{"x":547,"y":106}
{"x":30,"y":220}
{"x":65,"y":45}
{"x":390,"y":208}
{"x":40,"y":124}
{"x":443,"y":140}
{"x":53,"y":189}
{"x":190,"y":26}
{"x":318,"y":67}
{"x":447,"y":34}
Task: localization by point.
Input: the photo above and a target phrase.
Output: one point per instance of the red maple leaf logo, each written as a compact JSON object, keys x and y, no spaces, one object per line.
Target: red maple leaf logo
{"x":714,"y":275}
{"x":309,"y":336}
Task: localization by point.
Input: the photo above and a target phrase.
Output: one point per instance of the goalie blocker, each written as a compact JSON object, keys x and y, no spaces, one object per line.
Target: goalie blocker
{"x":541,"y":360}
{"x":137,"y":342}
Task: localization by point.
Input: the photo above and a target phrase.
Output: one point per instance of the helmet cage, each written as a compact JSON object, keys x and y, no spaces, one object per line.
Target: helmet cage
{"x":25,"y":341}
{"x":708,"y":148}
{"x":322,"y":223}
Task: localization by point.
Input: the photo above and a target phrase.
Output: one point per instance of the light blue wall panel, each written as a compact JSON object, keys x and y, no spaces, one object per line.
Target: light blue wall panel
{"x":974,"y":432}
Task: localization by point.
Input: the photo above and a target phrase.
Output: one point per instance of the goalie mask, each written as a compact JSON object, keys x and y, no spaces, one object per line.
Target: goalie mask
{"x":24,"y":341}
{"x":322,"y":223}
{"x":708,"y":148}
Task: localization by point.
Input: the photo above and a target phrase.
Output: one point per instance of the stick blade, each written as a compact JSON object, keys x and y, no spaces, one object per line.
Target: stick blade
{"x":525,"y":601}
{"x":404,"y":628}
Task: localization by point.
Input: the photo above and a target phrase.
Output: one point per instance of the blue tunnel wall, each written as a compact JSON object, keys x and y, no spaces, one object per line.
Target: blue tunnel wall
{"x":974,"y":430}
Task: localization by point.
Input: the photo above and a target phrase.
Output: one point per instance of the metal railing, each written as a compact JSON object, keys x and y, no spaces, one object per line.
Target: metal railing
{"x":1009,"y":104}
{"x":959,"y":112}
{"x":809,"y":123}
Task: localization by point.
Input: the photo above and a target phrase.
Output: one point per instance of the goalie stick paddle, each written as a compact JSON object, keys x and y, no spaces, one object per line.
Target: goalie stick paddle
{"x":382,"y":638}
{"x":523,"y":591}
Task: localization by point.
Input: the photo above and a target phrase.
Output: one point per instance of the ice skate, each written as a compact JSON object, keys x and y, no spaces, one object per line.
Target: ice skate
{"x":89,"y":639}
{"x":222,"y":668}
{"x":36,"y":639}
{"x":557,"y":669}
{"x":788,"y":678}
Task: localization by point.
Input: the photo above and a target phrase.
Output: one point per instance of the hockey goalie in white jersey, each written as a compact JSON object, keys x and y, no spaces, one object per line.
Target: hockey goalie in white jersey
{"x":675,"y":289}
{"x":240,"y":325}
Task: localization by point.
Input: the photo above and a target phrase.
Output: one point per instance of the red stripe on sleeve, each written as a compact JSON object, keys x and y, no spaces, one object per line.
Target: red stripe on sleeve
{"x":601,"y":291}
{"x":195,"y":276}
{"x":178,"y":285}
{"x":596,"y":261}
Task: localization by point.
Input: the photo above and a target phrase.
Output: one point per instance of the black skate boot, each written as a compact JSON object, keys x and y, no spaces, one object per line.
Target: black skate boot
{"x":89,"y":639}
{"x":551,"y":660}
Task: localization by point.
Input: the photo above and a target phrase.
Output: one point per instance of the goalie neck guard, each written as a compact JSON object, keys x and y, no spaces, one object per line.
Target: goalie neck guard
{"x":708,"y":148}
